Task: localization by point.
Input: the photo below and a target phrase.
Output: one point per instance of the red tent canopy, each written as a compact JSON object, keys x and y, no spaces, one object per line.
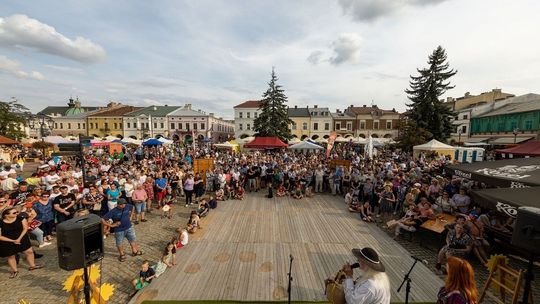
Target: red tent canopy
{"x":530,"y":148}
{"x":266,"y":143}
{"x":7,"y":141}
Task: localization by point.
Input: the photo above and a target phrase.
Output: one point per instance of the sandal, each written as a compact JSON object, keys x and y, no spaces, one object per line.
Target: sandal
{"x":35,"y":267}
{"x":137,"y":253}
{"x":13,"y":274}
{"x":122,"y":258}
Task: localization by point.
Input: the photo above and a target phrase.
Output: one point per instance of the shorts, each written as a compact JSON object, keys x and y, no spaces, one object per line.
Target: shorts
{"x":140,"y":286}
{"x":129,"y":234}
{"x":140,"y":207}
{"x":161,"y":195}
{"x":112,"y":204}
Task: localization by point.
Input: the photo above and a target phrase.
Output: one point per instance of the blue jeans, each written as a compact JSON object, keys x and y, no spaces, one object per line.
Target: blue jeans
{"x":140,"y":206}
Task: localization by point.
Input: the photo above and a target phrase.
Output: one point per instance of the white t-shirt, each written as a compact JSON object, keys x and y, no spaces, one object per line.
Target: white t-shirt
{"x":51,"y":180}
{"x":185,"y":238}
{"x":370,"y":291}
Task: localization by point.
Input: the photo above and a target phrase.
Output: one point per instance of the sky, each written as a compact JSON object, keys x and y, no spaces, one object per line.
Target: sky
{"x":215,"y":54}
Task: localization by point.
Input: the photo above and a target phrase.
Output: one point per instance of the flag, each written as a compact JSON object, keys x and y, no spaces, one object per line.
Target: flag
{"x":331,"y":140}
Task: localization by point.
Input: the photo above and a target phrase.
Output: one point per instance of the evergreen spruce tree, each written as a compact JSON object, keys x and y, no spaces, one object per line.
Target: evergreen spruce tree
{"x":426,"y":109}
{"x":273,"y":119}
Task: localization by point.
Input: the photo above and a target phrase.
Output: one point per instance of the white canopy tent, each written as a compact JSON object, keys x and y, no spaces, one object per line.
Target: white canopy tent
{"x":435,"y":146}
{"x":305,"y":146}
{"x":226,"y":145}
{"x":165,"y":140}
{"x":293,"y":140}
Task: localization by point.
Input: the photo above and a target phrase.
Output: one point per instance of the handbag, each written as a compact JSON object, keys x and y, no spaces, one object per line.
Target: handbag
{"x":96,"y":207}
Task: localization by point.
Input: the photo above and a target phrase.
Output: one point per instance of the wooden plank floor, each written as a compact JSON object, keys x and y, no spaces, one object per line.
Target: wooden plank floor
{"x":242,"y":253}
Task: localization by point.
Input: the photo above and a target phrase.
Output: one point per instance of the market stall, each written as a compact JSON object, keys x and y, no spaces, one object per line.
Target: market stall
{"x":434,"y":146}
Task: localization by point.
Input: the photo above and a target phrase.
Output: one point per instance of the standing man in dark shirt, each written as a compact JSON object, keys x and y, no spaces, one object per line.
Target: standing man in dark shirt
{"x":19,"y":196}
{"x":119,"y":218}
{"x":252,"y":183}
{"x":63,"y":204}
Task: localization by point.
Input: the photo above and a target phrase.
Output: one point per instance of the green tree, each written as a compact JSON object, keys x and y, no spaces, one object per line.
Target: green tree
{"x":273,"y":119}
{"x":12,"y":118}
{"x":426,"y":108}
{"x":410,"y":135}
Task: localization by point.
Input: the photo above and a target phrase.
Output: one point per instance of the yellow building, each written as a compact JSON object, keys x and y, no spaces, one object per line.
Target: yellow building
{"x":300,"y":128}
{"x":109,"y":121}
{"x":469,"y":100}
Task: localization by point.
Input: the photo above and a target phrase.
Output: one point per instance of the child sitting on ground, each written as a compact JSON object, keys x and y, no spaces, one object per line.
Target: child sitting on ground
{"x":298,"y":192}
{"x":193,"y":223}
{"x":182,"y":237}
{"x":146,"y":274}
{"x":365,"y":212}
{"x":281,"y":191}
{"x":240,"y":193}
{"x":203,"y":209}
{"x":220,"y":195}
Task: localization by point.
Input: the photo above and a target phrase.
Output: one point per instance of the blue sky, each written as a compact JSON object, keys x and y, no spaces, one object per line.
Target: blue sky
{"x":215,"y":54}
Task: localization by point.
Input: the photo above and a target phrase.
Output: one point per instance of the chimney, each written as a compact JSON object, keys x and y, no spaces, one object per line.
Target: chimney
{"x":315,"y":106}
{"x":449,"y":99}
{"x":187,"y":106}
{"x":393,"y":109}
{"x":364,"y":106}
{"x":350,"y":106}
{"x":467,"y":94}
{"x":296,"y":107}
{"x":154,"y":108}
{"x":497,"y":90}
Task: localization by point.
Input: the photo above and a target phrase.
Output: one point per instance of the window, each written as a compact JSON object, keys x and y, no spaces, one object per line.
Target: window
{"x":240,"y":115}
{"x":349,"y":126}
{"x":513,"y":125}
{"x":362,"y":125}
{"x":134,"y":125}
{"x":106,"y":125}
{"x":115,"y":125}
{"x":172,"y":125}
{"x":248,"y":126}
{"x":78,"y":125}
{"x":61,"y":125}
{"x":304,"y":126}
{"x":128,"y":125}
{"x":326,"y":126}
{"x":528,"y":125}
{"x":293,"y":126}
{"x":389,"y":125}
{"x":248,"y":114}
{"x":315,"y":126}
{"x":463,"y":129}
{"x":194,"y":126}
{"x":56,"y":125}
{"x":240,"y":127}
{"x":155,"y":125}
{"x":84,"y":125}
{"x":162,"y":125}
{"x":376,"y":125}
{"x":338,"y":125}
{"x":180,"y":126}
{"x":255,"y":114}
{"x":187,"y":126}
{"x":202,"y":125}
{"x":465,"y":116}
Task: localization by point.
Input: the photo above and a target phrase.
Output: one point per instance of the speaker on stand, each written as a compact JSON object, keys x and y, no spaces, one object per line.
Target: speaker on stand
{"x":80,"y":244}
{"x":527,"y":236}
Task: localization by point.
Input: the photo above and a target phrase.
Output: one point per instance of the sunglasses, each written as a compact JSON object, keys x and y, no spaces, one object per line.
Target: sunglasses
{"x":13,"y":213}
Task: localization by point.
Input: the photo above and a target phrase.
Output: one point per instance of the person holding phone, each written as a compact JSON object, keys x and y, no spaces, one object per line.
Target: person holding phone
{"x":119,"y":220}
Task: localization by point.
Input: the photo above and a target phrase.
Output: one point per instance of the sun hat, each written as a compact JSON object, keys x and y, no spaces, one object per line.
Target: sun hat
{"x":369,"y":256}
{"x":121,"y":201}
{"x":166,"y":208}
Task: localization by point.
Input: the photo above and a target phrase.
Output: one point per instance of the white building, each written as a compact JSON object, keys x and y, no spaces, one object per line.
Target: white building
{"x":321,"y":122}
{"x":244,"y":117}
{"x":148,"y":122}
{"x":184,"y":122}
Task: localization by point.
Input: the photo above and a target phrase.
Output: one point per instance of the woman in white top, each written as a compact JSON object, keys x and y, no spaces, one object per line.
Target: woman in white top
{"x":129,"y":187}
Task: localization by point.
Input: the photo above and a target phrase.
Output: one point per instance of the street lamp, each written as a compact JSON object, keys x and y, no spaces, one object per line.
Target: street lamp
{"x":515,"y":132}
{"x":42,"y":123}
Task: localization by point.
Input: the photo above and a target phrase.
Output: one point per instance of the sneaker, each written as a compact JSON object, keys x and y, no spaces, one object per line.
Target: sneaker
{"x":45,"y":244}
{"x":144,"y":220}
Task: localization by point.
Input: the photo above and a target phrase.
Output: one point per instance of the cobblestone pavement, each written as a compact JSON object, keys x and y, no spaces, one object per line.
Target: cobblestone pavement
{"x":45,"y":285}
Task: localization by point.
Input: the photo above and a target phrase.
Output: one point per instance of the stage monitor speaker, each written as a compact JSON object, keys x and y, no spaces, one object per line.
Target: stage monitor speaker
{"x":80,"y":242}
{"x":527,"y":230}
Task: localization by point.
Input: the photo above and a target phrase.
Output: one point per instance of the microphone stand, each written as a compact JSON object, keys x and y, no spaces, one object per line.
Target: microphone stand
{"x":290,"y":278}
{"x":407,"y":279}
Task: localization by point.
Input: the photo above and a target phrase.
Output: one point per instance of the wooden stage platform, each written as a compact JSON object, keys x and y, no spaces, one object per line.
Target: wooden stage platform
{"x":242,"y":253}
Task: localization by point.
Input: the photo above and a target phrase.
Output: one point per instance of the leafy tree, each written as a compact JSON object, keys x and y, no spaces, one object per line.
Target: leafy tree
{"x":12,"y":118}
{"x":426,"y":109}
{"x":273,"y":119}
{"x":410,"y":135}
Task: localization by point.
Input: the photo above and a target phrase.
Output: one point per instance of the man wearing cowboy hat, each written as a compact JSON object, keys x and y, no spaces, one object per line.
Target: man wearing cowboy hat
{"x":373,"y":286}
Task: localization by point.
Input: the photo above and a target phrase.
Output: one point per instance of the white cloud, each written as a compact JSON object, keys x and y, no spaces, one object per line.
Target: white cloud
{"x":346,"y":49}
{"x":369,"y":10}
{"x":22,"y":31}
{"x":13,"y":67}
{"x":315,"y":57}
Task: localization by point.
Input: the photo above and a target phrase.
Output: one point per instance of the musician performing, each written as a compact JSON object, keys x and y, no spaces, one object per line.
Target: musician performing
{"x":371,"y":287}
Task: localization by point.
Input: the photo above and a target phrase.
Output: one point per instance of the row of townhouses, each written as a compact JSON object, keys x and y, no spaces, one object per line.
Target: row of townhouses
{"x":116,"y":119}
{"x":314,"y":122}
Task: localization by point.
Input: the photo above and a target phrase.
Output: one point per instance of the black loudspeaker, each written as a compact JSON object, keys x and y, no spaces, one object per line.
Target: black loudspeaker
{"x":80,"y":242}
{"x":527,"y":230}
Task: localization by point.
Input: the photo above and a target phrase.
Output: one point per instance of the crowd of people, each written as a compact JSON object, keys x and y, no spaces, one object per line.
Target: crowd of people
{"x":122,"y":188}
